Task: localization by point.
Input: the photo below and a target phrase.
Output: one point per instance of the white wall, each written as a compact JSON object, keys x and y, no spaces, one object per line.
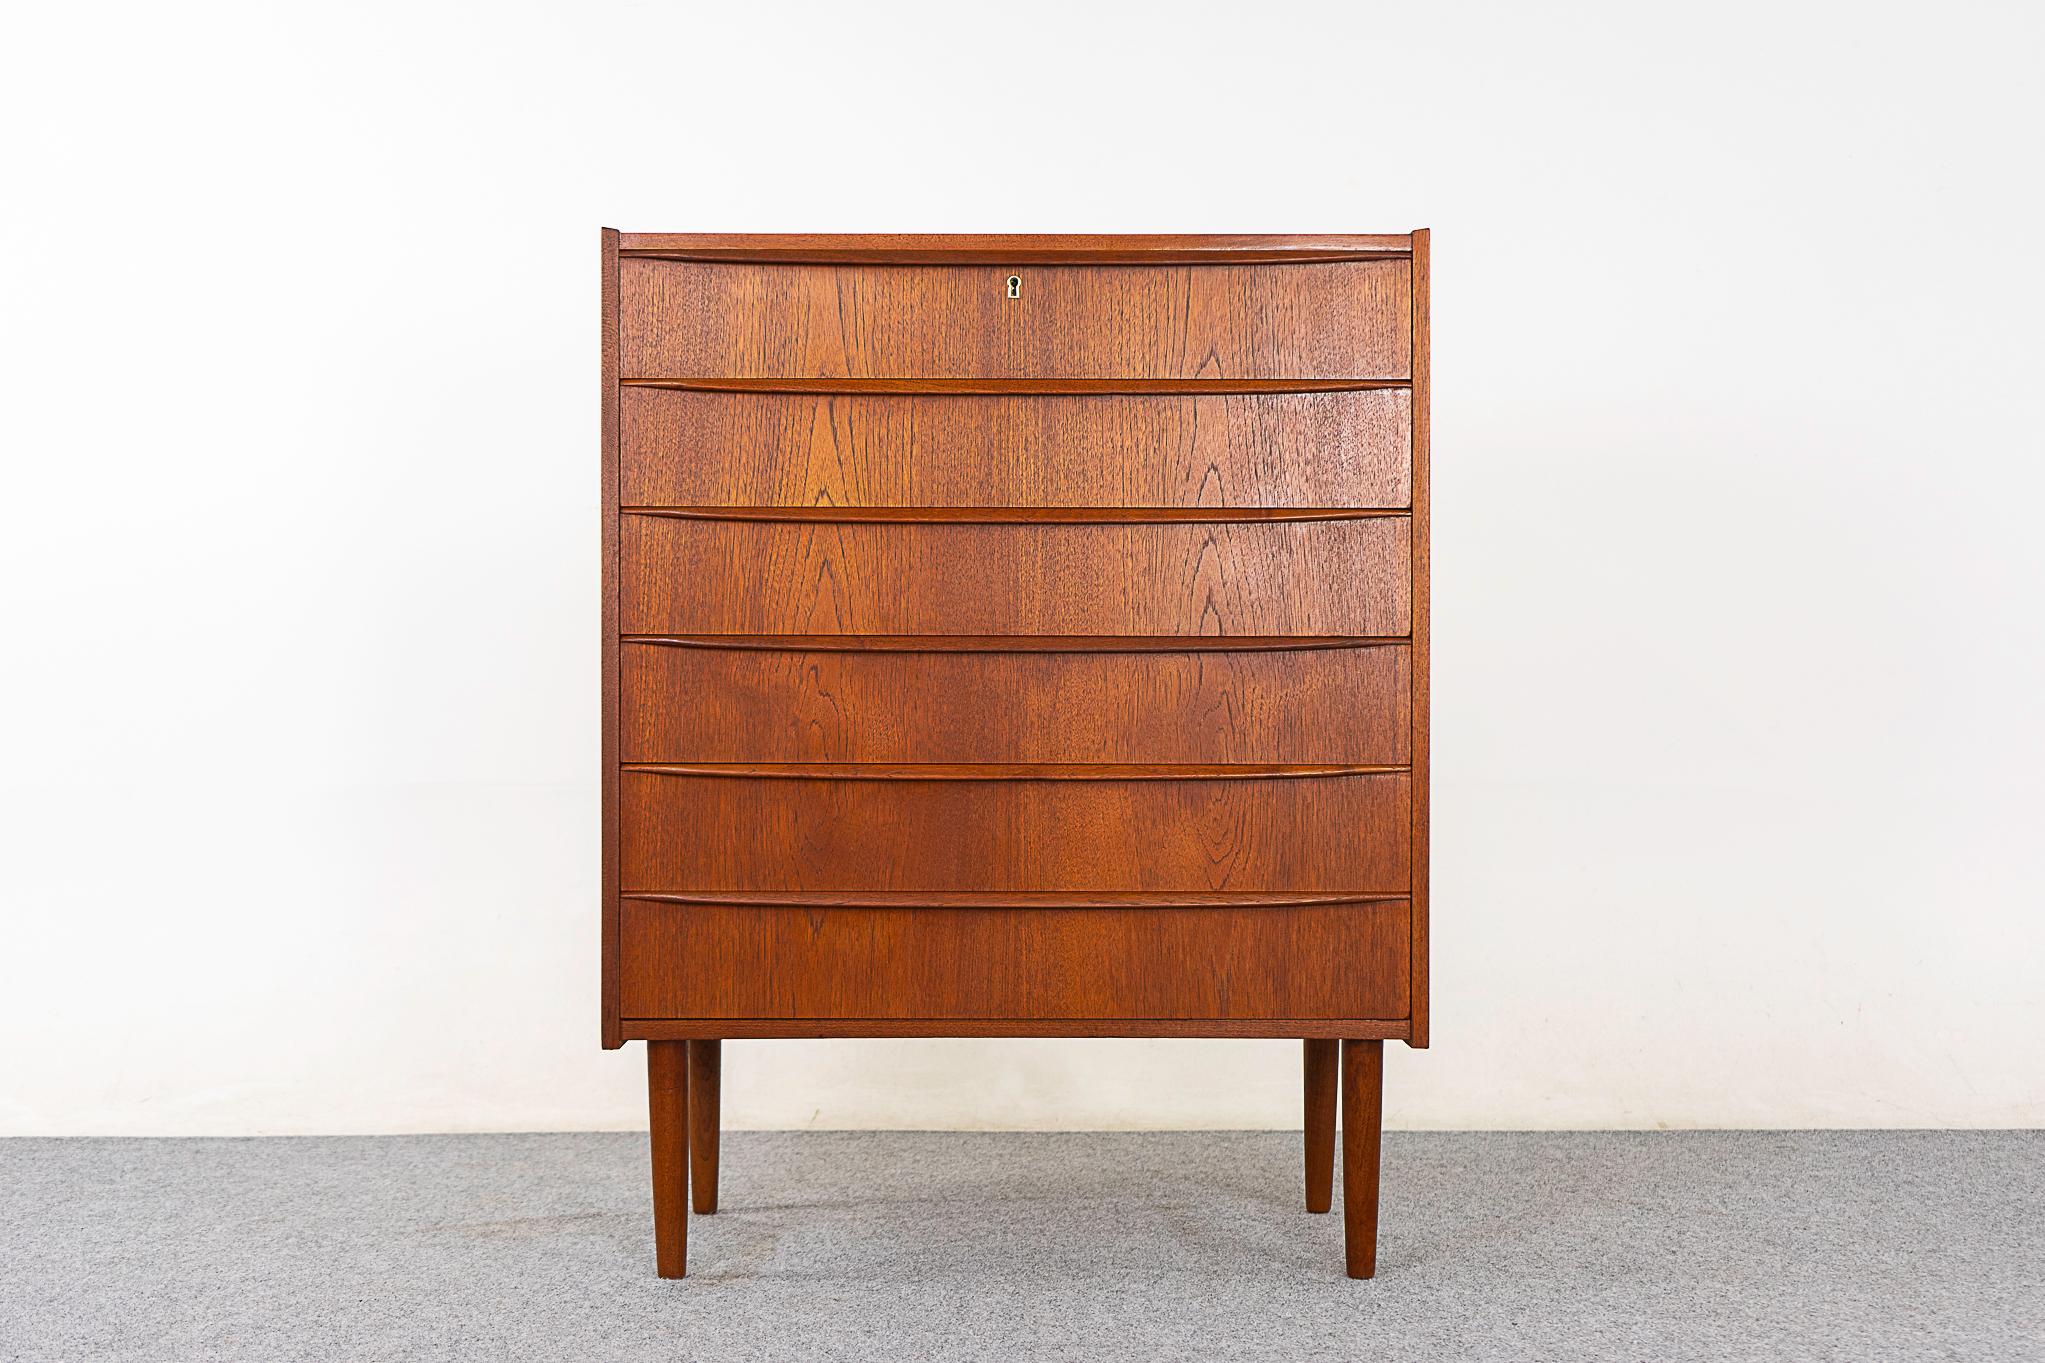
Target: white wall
{"x":1738,"y":468}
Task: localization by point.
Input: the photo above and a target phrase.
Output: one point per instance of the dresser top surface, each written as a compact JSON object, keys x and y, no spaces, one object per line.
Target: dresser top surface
{"x":1012,"y":248}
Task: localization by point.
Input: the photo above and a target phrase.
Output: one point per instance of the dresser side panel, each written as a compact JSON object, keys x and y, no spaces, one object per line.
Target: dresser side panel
{"x":612,"y":1029}
{"x":1422,"y":498}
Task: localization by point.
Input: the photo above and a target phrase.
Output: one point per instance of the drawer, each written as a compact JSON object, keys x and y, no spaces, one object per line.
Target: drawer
{"x":1347,"y":319}
{"x":1338,"y":449}
{"x":783,"y":703}
{"x":685,"y":575}
{"x":851,"y":828}
{"x":747,"y":961}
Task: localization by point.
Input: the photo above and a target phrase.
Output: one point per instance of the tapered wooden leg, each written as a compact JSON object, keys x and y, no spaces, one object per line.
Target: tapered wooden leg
{"x":667,"y":1102}
{"x":1363,"y":1092}
{"x":706,"y":1065}
{"x":1321,"y":1065}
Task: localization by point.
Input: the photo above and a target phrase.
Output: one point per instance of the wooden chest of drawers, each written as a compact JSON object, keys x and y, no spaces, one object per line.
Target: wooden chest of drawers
{"x":1015,"y":636}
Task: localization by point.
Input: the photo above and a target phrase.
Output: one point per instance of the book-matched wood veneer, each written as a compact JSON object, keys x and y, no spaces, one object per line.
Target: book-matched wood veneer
{"x":686,"y":828}
{"x":848,"y":450}
{"x":1341,"y":320}
{"x":695,"y":576}
{"x":1260,"y":961}
{"x":702,"y":700}
{"x":1015,"y":635}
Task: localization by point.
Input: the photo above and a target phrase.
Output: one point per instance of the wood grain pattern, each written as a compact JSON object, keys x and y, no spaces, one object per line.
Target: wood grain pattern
{"x":1331,"y":833}
{"x":1344,"y":320}
{"x":1422,"y":512}
{"x":1320,"y":1066}
{"x":744,"y":962}
{"x":611,"y":1032}
{"x":1344,"y":449}
{"x":1363,"y":1086}
{"x":991,"y":248}
{"x":794,"y":705}
{"x":742,"y":577}
{"x":706,"y":1086}
{"x":667,"y":1103}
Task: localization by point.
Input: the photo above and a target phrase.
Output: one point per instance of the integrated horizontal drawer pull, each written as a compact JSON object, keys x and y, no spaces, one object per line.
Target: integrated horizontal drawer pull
{"x":1013,"y":771}
{"x":928,"y":828}
{"x":1012,"y":515}
{"x":1010,"y":899}
{"x":1019,"y":643}
{"x":979,"y":387}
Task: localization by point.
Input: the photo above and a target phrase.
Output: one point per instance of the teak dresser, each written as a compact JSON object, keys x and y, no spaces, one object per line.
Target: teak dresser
{"x":1015,"y":636}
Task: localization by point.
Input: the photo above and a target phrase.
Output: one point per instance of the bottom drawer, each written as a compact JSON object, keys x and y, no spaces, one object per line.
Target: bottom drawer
{"x":1342,"y":960}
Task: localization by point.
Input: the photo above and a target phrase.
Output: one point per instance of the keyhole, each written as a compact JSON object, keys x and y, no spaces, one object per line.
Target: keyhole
{"x":1015,"y":286}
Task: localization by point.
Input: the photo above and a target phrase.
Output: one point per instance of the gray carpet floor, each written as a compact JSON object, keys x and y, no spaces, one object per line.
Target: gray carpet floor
{"x":910,"y":1246}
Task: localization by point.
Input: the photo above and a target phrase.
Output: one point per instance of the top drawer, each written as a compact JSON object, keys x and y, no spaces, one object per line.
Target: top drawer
{"x":693,"y":319}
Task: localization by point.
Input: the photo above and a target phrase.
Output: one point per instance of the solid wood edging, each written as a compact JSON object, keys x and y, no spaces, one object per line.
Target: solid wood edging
{"x":610,"y":967}
{"x":1420,"y":623}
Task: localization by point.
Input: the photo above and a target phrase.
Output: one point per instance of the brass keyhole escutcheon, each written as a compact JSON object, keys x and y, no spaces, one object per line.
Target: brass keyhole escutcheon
{"x":1015,"y":286}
